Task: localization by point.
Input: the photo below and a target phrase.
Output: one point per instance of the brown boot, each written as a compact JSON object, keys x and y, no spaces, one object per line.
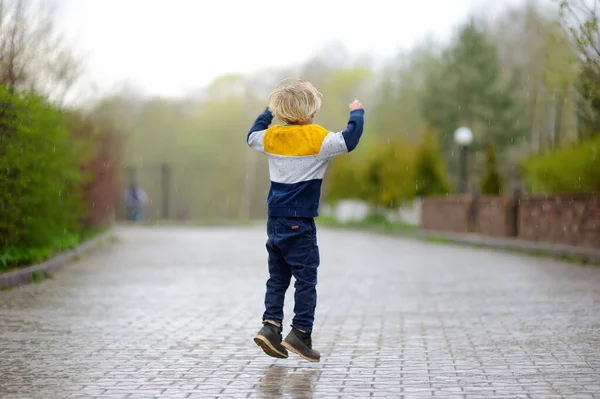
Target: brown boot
{"x":269,"y":339}
{"x":301,"y":343}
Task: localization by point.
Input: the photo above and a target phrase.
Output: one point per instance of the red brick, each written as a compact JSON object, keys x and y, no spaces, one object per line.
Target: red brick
{"x":572,"y":219}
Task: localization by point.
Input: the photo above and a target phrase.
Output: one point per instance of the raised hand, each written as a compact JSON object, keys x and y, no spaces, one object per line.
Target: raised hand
{"x":355,"y":105}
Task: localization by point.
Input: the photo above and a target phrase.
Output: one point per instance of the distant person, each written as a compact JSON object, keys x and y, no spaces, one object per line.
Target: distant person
{"x":135,"y":199}
{"x":299,"y":152}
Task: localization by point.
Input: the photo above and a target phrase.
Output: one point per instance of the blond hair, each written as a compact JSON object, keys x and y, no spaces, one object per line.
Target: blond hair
{"x":295,"y":103}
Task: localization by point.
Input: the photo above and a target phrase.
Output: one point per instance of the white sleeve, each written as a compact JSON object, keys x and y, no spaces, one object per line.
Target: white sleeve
{"x":256,"y":140}
{"x":333,"y":145}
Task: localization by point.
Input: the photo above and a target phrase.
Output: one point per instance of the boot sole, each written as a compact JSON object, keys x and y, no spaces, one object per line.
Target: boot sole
{"x":297,"y":352}
{"x":268,"y":348}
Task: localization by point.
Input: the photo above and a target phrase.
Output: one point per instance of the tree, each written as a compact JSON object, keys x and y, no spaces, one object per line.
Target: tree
{"x":467,"y":90}
{"x":396,"y":110}
{"x":430,"y":178}
{"x":491,"y":184}
{"x":388,"y":175}
{"x":33,"y":55}
{"x":536,"y":51}
{"x":581,"y":20}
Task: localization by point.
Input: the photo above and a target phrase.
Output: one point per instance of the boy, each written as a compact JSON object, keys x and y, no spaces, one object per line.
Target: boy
{"x":299,"y":152}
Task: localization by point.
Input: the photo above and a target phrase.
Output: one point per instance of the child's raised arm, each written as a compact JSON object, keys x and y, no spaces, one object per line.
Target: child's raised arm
{"x":345,"y":141}
{"x":354,"y":130}
{"x":257,"y":131}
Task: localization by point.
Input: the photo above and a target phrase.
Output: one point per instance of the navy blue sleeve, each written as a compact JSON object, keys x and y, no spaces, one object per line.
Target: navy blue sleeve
{"x":354,"y":129}
{"x":261,"y":123}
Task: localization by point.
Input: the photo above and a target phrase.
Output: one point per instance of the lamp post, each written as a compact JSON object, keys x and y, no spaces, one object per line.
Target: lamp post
{"x":463,"y":136}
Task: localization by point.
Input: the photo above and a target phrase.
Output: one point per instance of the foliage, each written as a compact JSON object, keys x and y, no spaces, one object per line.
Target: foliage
{"x":572,"y":168}
{"x":388,"y":175}
{"x":582,"y":22}
{"x":589,"y":105}
{"x":55,"y":165}
{"x":40,"y":176}
{"x":25,"y":254}
{"x":467,"y":90}
{"x":100,"y":167}
{"x":344,"y":179}
{"x":509,"y":80}
{"x":22,"y":254}
{"x":383,"y":176}
{"x":430,"y":176}
{"x":491,"y":183}
{"x":33,"y":53}
{"x":396,"y":108}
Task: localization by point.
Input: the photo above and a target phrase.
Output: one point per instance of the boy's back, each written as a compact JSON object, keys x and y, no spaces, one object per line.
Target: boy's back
{"x":299,"y":152}
{"x":298,"y":159}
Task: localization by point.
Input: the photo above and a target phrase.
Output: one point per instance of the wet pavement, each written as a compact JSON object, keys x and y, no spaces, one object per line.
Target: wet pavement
{"x":171,"y":313}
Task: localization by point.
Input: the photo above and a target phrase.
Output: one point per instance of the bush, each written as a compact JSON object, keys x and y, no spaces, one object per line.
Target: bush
{"x":574,"y":168}
{"x":100,"y":169}
{"x":430,"y":174}
{"x":491,"y":183}
{"x":388,"y":173}
{"x":22,"y":255}
{"x":383,"y":177}
{"x":343,"y":181}
{"x":388,"y":177}
{"x":40,"y":177}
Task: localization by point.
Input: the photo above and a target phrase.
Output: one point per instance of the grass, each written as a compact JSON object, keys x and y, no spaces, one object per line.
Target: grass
{"x":38,"y":277}
{"x":21,"y":256}
{"x":375,"y":223}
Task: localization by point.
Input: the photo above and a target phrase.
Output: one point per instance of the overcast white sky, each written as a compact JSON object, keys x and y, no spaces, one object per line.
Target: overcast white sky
{"x":171,"y":47}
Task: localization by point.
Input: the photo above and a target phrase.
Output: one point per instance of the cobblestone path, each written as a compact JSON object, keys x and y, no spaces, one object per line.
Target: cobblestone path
{"x":171,"y":313}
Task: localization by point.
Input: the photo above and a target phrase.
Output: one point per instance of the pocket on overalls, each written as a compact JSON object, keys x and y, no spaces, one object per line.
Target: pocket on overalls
{"x":301,"y":240}
{"x":297,"y":226}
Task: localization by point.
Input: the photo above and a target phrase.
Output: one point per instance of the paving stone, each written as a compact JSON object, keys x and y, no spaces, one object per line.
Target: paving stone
{"x":171,"y":313}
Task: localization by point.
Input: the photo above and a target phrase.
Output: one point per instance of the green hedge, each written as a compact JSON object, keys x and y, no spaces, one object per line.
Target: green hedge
{"x":40,"y":178}
{"x":574,"y":168}
{"x":23,"y":255}
{"x":389,"y":172}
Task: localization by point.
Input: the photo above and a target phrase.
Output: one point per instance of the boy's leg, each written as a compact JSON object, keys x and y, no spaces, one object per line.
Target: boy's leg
{"x":280,"y":275}
{"x":305,"y":295}
{"x":301,"y":252}
{"x":269,"y":337}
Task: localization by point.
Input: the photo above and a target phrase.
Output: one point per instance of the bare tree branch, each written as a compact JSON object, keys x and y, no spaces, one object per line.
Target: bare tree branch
{"x":33,"y":53}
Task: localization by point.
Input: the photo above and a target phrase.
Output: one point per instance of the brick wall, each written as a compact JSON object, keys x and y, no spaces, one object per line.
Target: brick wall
{"x":491,"y":216}
{"x":562,"y":219}
{"x":446,"y":214}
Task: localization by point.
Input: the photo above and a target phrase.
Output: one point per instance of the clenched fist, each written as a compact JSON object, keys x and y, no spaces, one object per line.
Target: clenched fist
{"x":355,"y":105}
